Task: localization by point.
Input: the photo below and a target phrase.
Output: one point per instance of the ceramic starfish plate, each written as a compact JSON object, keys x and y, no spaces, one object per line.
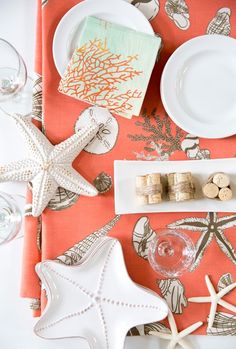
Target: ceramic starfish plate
{"x":95,"y":299}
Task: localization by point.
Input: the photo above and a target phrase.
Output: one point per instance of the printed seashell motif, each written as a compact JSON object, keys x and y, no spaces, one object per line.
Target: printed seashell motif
{"x":225,"y":281}
{"x":76,"y":252}
{"x":63,"y":199}
{"x":190,"y":145}
{"x":220,"y":24}
{"x":37,"y":98}
{"x":224,"y":325}
{"x":149,"y":8}
{"x":177,"y":11}
{"x":35,"y":304}
{"x":142,"y":236}
{"x":44,"y":2}
{"x":144,"y":330}
{"x":105,"y":139}
{"x":173,"y":291}
{"x":103,"y":182}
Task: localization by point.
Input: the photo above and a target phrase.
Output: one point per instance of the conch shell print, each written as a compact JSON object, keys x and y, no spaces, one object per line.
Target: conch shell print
{"x":149,"y":8}
{"x":220,"y":24}
{"x":172,"y":291}
{"x":178,"y":11}
{"x":142,"y":236}
{"x":190,"y":145}
{"x":105,"y":139}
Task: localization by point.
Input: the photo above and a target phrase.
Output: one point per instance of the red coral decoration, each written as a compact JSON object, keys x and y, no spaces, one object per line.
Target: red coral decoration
{"x":95,"y":72}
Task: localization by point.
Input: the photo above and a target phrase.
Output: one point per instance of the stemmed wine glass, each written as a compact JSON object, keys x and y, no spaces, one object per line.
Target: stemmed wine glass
{"x":10,"y":218}
{"x":15,"y":86}
{"x":171,"y":253}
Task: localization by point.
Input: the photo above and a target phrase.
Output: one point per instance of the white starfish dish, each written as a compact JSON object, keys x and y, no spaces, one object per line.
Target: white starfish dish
{"x":95,"y":299}
{"x":215,"y":299}
{"x":49,"y":167}
{"x":174,"y":336}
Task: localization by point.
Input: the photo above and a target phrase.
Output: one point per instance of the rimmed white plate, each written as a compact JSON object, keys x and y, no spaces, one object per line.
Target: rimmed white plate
{"x":68,"y":30}
{"x":198,"y":86}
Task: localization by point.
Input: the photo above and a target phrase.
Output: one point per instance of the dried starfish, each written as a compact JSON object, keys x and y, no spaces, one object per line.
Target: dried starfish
{"x":176,"y":337}
{"x":49,"y":167}
{"x":215,"y":299}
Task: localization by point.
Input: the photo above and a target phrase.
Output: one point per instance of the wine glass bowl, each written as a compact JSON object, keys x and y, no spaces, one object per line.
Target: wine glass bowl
{"x":13,"y":73}
{"x":10,"y":218}
{"x":171,"y":253}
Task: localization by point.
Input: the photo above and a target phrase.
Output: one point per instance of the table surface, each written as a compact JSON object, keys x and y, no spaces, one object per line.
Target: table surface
{"x":17,"y":25}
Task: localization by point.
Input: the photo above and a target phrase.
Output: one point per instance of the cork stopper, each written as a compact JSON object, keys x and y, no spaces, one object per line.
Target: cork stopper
{"x":218,"y":187}
{"x":180,"y":186}
{"x":210,"y":190}
{"x":141,"y":182}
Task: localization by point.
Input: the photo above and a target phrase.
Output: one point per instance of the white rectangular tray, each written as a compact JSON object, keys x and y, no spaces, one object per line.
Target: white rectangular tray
{"x":125,"y":173}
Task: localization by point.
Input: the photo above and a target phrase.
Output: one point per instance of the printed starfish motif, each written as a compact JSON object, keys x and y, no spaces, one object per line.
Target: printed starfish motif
{"x":215,"y":299}
{"x":95,"y":299}
{"x":174,"y":336}
{"x":49,"y":167}
{"x":211,"y":226}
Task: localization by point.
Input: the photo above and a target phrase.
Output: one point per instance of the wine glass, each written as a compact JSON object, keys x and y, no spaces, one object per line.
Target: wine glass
{"x":10,"y":218}
{"x":15,"y":86}
{"x":171,"y":253}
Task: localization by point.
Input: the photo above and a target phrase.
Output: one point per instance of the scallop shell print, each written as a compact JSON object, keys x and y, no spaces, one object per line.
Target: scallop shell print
{"x":224,"y":281}
{"x":105,"y":139}
{"x":144,"y":330}
{"x":220,"y":24}
{"x":224,"y":325}
{"x":103,"y":182}
{"x":173,"y":292}
{"x":178,"y":12}
{"x":37,"y":98}
{"x":63,"y":199}
{"x":142,"y":236}
{"x":149,"y":8}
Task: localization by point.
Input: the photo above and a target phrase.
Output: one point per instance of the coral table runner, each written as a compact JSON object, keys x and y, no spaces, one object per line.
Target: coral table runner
{"x":70,"y":224}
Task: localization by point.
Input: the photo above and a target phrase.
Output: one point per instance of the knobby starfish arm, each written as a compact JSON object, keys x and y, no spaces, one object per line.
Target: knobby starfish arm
{"x":23,"y":170}
{"x":227,"y":305}
{"x":202,"y":244}
{"x":225,"y":246}
{"x":190,"y":329}
{"x":212,"y":313}
{"x":160,"y":335}
{"x":199,"y":299}
{"x":44,"y":188}
{"x":38,"y":145}
{"x":68,"y":150}
{"x":70,"y":179}
{"x":210,"y":286}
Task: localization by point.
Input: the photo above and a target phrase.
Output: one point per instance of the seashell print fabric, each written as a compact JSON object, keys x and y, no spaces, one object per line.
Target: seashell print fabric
{"x":70,"y":225}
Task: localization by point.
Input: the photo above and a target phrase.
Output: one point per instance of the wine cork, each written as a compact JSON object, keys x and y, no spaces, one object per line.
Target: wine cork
{"x":141,"y":183}
{"x":210,"y":190}
{"x":154,"y":183}
{"x":225,"y":194}
{"x":221,"y":179}
{"x":180,"y":186}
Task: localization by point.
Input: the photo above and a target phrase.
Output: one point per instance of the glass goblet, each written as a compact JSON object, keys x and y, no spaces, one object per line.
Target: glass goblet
{"x":10,"y":218}
{"x":15,"y":86}
{"x":171,"y":253}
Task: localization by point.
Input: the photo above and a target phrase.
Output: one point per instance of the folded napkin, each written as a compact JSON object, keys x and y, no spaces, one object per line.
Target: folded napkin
{"x":70,"y":224}
{"x":111,"y":67}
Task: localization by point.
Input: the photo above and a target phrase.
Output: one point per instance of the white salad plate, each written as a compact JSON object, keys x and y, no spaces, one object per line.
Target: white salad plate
{"x":125,"y":173}
{"x":198,"y":86}
{"x":68,"y":30}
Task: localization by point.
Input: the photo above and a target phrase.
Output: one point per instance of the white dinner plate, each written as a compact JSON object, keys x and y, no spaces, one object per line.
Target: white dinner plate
{"x":125,"y":173}
{"x":198,"y":86}
{"x":68,"y":30}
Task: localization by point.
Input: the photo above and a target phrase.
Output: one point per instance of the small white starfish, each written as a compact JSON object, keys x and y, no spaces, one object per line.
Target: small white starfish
{"x":215,"y":299}
{"x":174,"y":336}
{"x":49,"y":167}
